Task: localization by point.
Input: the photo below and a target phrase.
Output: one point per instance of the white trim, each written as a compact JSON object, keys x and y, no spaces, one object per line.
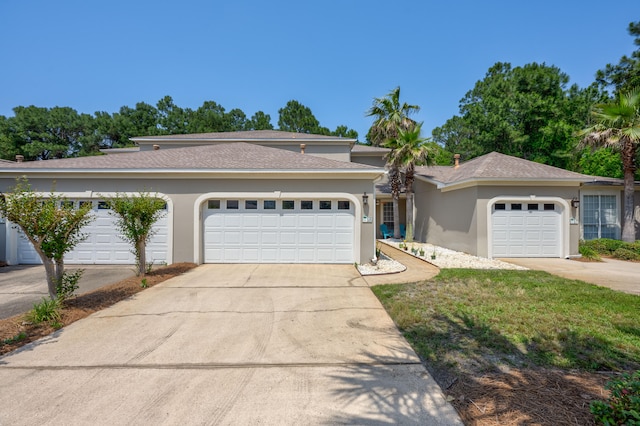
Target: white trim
{"x":12,"y":234}
{"x":564,"y":220}
{"x":197,"y":213}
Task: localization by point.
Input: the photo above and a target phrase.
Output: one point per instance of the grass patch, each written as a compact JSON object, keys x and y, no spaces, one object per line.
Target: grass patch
{"x":471,"y":321}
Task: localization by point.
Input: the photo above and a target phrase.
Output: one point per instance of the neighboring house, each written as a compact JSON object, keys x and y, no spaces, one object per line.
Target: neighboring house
{"x":245,"y":197}
{"x":278,"y":197}
{"x":502,"y":206}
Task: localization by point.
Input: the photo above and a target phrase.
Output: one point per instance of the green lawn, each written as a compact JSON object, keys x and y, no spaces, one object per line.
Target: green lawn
{"x":472,"y":320}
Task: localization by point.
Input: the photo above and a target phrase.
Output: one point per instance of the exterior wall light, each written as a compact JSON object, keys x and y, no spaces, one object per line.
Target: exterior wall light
{"x":575,"y":202}
{"x":365,"y":199}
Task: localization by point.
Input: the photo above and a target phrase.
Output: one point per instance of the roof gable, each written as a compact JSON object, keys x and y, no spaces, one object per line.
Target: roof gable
{"x":497,"y":166}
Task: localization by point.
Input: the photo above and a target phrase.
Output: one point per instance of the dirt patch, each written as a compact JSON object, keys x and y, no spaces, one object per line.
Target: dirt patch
{"x":16,"y":332}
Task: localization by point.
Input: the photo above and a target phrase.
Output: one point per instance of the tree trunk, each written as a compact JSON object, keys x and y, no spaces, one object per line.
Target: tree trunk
{"x":409,"y":231}
{"x":396,"y":216}
{"x":628,"y":225}
{"x":409,"y":202}
{"x":394,"y":180}
{"x":50,"y":271}
{"x":142,"y":257}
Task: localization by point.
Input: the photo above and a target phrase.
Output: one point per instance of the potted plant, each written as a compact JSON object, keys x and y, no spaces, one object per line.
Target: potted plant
{"x":421,"y":252}
{"x":433,"y":255}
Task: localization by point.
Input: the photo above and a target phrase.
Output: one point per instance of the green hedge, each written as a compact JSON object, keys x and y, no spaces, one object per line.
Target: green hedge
{"x":608,"y":247}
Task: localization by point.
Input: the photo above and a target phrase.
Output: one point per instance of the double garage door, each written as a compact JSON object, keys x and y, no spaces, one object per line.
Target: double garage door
{"x":521,"y":229}
{"x":278,"y":231}
{"x":103,"y":244}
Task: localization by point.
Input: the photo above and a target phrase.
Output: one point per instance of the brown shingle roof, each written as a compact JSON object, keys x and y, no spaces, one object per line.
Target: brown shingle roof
{"x":496,"y":166}
{"x":249,"y":135}
{"x":235,"y":156}
{"x":366,"y":149}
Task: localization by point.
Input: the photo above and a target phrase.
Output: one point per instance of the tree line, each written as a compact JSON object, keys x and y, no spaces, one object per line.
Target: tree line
{"x":40,"y":133}
{"x":532,"y":112}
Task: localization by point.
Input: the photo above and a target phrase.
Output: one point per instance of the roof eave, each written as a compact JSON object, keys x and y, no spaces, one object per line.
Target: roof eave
{"x":247,"y":173}
{"x":466,"y":183}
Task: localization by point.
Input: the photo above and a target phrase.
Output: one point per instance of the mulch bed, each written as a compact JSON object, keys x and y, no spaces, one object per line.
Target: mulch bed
{"x":528,"y":397}
{"x":84,"y":305}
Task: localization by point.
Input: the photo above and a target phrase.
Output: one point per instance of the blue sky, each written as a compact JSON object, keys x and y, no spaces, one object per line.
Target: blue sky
{"x":332,"y":56}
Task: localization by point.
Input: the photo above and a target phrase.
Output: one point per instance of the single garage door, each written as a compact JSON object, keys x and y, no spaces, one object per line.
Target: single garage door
{"x":522,"y":229}
{"x":278,"y":231}
{"x":103,"y":244}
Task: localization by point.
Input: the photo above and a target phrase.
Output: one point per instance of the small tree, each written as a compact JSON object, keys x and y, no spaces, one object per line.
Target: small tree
{"x":617,"y":125}
{"x":409,"y":150}
{"x":135,"y":216}
{"x":50,"y":223}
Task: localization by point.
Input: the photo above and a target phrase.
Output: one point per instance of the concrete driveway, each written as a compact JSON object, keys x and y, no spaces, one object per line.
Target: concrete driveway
{"x":228,"y":344}
{"x":612,"y":273}
{"x":22,"y":286}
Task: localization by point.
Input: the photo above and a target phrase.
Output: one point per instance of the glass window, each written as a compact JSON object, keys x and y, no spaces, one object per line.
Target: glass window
{"x":600,"y":217}
{"x":232,"y":204}
{"x":499,"y":206}
{"x":549,"y":206}
{"x":66,"y":204}
{"x":306,"y":205}
{"x":387,"y":215}
{"x":343,"y":205}
{"x":532,"y":207}
{"x":84,"y":203}
{"x":103,"y":205}
{"x":325,"y":205}
{"x":288,"y":205}
{"x":269,"y":204}
{"x":213,"y":204}
{"x":516,"y":206}
{"x":251,"y":204}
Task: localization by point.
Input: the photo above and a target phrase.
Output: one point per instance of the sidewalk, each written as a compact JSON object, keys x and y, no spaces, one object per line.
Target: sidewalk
{"x":417,"y":270}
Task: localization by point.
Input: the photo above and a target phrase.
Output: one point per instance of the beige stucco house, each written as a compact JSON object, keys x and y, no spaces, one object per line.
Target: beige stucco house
{"x":279,"y":197}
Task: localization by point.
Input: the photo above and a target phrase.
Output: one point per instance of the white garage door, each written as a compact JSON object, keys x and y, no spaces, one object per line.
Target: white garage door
{"x":103,"y":244}
{"x":521,"y":229}
{"x":278,"y":231}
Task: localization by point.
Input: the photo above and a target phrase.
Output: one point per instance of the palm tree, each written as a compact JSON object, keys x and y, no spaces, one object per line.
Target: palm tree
{"x":409,"y":150}
{"x":618,"y":126}
{"x":390,"y":117}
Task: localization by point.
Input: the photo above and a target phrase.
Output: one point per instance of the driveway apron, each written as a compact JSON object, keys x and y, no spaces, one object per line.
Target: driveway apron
{"x":228,"y":344}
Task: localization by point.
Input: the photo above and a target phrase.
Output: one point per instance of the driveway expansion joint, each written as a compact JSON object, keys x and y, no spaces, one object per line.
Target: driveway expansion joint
{"x":206,"y":366}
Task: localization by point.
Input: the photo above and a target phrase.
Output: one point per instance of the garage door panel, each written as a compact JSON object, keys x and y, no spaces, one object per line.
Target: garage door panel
{"x":282,"y":236}
{"x":288,"y":237}
{"x":343,"y":238}
{"x":325,"y":221}
{"x":103,"y":244}
{"x":526,"y":233}
{"x":250,"y":237}
{"x":325,"y":238}
{"x":306,"y":238}
{"x":269,"y":221}
{"x":288,"y":255}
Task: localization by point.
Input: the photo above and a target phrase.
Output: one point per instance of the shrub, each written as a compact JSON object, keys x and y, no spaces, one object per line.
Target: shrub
{"x":626,"y":254}
{"x":68,"y":285}
{"x":604,"y":246}
{"x":47,"y":310}
{"x":589,"y":253}
{"x":623,"y":406}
